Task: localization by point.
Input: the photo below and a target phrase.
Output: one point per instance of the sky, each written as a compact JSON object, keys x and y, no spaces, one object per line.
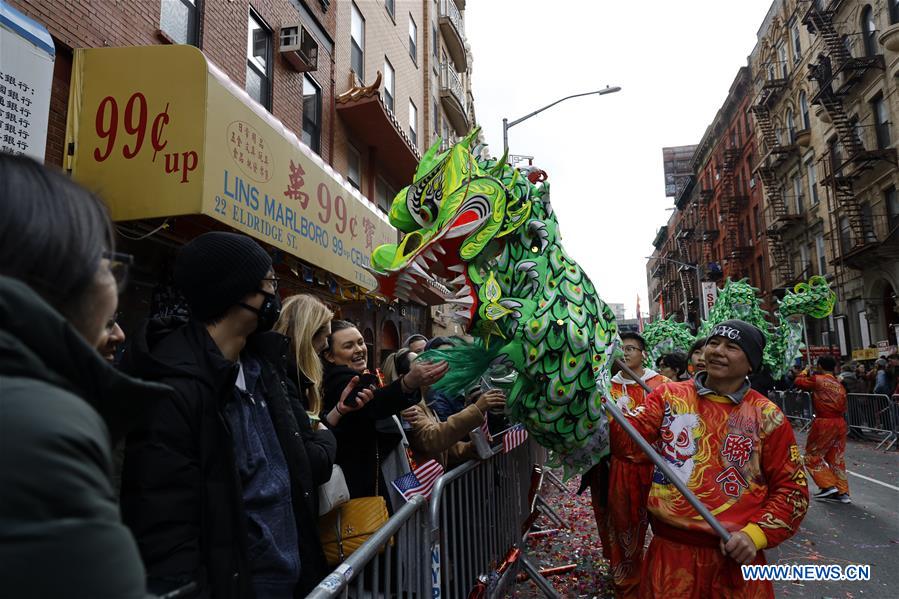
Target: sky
{"x":674,"y":61}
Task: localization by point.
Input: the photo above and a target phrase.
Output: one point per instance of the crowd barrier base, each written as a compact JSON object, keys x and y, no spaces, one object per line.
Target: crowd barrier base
{"x":467,"y":540}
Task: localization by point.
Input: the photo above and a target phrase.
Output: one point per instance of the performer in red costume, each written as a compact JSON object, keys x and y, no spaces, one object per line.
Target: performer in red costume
{"x":826,"y":444}
{"x":621,"y":511}
{"x":735,"y":450}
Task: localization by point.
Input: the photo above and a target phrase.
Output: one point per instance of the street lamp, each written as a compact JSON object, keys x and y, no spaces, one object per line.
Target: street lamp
{"x":507,"y":125}
{"x":694,"y":267}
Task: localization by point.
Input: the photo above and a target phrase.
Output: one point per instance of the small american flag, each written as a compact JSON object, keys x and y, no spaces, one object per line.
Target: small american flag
{"x":420,"y":481}
{"x":486,"y":430}
{"x":514,"y":437}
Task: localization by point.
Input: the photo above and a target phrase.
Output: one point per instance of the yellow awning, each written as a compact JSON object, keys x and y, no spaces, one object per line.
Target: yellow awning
{"x":160,"y":131}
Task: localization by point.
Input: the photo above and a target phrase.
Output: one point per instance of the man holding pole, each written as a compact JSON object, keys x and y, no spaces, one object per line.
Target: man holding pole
{"x":620,"y":509}
{"x":826,"y":443}
{"x":732,"y":448}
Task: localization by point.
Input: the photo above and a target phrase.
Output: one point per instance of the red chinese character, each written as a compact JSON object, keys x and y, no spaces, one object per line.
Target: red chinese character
{"x":737,"y":449}
{"x":294,"y":188}
{"x":731,"y":480}
{"x":369,"y":231}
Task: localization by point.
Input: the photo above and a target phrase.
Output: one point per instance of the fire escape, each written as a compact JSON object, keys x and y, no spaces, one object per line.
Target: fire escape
{"x":709,"y":229}
{"x":836,"y":74}
{"x":767,"y":170}
{"x":687,"y":277}
{"x":729,"y":204}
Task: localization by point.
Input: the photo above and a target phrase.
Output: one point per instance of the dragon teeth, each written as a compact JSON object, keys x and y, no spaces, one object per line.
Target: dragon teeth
{"x":417,"y":269}
{"x":465,"y":301}
{"x":460,"y":280}
{"x":465,"y":291}
{"x":464,"y":314}
{"x":429,"y":255}
{"x":459,"y":268}
{"x":439,"y":249}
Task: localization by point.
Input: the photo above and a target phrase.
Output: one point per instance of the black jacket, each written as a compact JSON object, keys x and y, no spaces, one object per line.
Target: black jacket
{"x":181,"y":491}
{"x":359,"y":444}
{"x":61,"y":405}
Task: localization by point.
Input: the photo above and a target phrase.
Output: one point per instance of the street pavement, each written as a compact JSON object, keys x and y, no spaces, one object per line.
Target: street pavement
{"x":863,"y":532}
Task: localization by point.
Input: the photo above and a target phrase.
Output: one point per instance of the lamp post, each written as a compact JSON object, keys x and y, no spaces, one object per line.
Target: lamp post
{"x":508,"y":125}
{"x":694,"y":267}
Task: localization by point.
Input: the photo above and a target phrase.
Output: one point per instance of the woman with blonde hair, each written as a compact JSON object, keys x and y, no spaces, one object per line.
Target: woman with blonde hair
{"x":306,"y":321}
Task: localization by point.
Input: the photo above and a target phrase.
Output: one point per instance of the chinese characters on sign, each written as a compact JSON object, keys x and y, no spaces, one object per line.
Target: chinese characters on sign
{"x":26,"y":73}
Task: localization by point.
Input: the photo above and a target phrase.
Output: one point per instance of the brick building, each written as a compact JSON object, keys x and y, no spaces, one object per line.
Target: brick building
{"x":296,"y":59}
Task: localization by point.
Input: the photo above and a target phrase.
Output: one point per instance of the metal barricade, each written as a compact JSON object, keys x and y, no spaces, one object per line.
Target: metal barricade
{"x":797,"y":407}
{"x":476,"y":515}
{"x":873,"y":414}
{"x":401,"y":570}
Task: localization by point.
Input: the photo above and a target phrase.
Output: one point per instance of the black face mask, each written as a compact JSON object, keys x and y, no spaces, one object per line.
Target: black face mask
{"x":267,"y":314}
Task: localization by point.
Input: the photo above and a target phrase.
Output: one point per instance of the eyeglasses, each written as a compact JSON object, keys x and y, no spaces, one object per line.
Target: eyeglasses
{"x":628,"y":349}
{"x":274,"y":281}
{"x":119,"y":265}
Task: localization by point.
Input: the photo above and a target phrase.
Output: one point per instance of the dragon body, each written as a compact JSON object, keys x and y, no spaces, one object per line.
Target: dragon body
{"x":483,"y":236}
{"x":664,"y":336}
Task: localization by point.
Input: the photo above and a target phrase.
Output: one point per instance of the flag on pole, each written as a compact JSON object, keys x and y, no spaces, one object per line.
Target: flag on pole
{"x":420,"y":481}
{"x":486,"y":430}
{"x":662,"y":306}
{"x":514,"y":437}
{"x":639,"y":316}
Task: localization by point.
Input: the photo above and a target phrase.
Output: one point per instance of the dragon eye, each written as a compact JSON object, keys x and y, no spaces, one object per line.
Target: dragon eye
{"x":411,"y":243}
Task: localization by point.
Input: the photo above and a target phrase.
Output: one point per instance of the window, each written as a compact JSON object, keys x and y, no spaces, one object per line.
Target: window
{"x":413,"y":40}
{"x":783,"y":64}
{"x":822,"y":255}
{"x":868,"y":223}
{"x":881,"y":121}
{"x":894,"y":11}
{"x":353,"y":167}
{"x":812,"y":180}
{"x":413,"y":124}
{"x":383,"y":195}
{"x":845,"y":233}
{"x":847,"y":43}
{"x":757,"y":217}
{"x":891,"y":200}
{"x":179,"y":19}
{"x":836,"y":156}
{"x":761,"y":268}
{"x":797,"y":193}
{"x":797,"y":45}
{"x":435,"y":43}
{"x":389,"y":85}
{"x":312,"y":114}
{"x":803,"y":107}
{"x":804,"y":262}
{"x":357,"y":43}
{"x":389,"y":5}
{"x":779,"y":134}
{"x":869,"y":31}
{"x":791,"y":126}
{"x":259,"y":61}
{"x":436,"y":119}
{"x":746,"y":123}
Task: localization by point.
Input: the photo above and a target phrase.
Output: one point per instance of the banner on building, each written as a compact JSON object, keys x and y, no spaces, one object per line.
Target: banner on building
{"x":709,"y":295}
{"x":160,"y":131}
{"x":26,"y":79}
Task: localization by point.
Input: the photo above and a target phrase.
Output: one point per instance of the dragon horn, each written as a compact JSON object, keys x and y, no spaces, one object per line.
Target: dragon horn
{"x":497,"y":170}
{"x":429,"y":159}
{"x":470,"y":140}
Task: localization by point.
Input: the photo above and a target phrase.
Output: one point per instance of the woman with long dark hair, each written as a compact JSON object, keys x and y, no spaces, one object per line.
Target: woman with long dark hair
{"x":63,"y":406}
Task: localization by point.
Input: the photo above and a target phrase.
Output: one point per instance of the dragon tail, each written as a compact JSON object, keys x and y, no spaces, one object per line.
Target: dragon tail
{"x":467,"y":362}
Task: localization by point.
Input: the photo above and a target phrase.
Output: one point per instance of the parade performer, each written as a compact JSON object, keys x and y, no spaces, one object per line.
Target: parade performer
{"x":826,"y":444}
{"x":735,"y":450}
{"x":620,"y":506}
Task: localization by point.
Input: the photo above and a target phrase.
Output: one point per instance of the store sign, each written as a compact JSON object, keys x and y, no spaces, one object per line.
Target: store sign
{"x":26,"y":78}
{"x":868,"y":353}
{"x":160,"y":131}
{"x":709,"y":295}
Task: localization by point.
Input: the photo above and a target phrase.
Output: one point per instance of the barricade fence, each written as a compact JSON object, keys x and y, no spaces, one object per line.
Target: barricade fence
{"x":441,"y":546}
{"x":867,"y":414}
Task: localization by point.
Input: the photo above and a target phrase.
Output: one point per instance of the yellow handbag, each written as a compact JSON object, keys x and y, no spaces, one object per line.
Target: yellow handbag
{"x":343,"y":530}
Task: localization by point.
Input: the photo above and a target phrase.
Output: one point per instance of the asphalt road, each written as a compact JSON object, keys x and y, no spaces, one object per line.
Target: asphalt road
{"x":864,"y":532}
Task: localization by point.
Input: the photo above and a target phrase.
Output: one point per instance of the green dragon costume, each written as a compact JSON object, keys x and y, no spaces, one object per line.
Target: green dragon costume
{"x":482,"y":235}
{"x":664,"y":336}
{"x":739,"y":299}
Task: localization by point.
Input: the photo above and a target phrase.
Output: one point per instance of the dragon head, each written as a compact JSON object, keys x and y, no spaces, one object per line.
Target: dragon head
{"x":453,"y":216}
{"x":665,"y":336}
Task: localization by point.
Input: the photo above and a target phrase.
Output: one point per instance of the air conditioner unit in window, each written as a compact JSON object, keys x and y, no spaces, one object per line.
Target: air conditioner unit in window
{"x":299,"y":48}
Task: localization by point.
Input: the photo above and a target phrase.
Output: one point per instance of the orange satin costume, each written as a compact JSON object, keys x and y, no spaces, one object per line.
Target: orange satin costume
{"x":825,"y":448}
{"x":622,"y":521}
{"x":738,"y":454}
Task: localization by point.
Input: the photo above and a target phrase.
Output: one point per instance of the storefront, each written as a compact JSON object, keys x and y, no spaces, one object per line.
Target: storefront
{"x":176,"y":148}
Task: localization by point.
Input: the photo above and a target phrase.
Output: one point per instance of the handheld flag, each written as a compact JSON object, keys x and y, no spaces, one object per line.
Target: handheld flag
{"x":420,"y":481}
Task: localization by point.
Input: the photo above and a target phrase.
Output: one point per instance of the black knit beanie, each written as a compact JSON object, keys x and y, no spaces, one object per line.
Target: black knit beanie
{"x":217,"y":270}
{"x":747,"y":336}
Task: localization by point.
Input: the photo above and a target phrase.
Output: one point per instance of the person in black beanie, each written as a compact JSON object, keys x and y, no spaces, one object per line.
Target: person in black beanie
{"x":219,"y":485}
